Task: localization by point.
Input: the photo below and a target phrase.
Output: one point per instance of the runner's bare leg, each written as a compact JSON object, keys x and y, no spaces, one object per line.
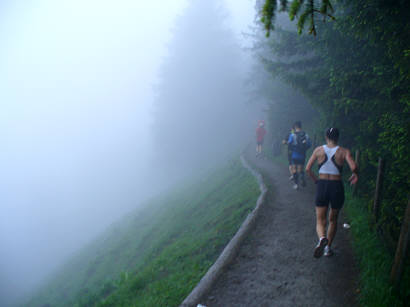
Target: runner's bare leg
{"x":321,"y":213}
{"x":299,"y":169}
{"x":331,"y":231}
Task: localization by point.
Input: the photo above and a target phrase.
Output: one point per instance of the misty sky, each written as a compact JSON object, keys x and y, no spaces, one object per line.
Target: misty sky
{"x":76,"y":94}
{"x":201,"y":110}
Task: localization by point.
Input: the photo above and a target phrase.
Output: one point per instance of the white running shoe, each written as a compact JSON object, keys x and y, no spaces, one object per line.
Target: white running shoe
{"x":295,"y":186}
{"x":291,"y":178}
{"x":320,"y":247}
{"x":327,"y":251}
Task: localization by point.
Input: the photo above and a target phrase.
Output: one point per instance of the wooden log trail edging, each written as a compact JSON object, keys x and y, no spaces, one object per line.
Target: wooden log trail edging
{"x":356,"y":160}
{"x":401,"y":251}
{"x":378,"y":191}
{"x":231,"y":249}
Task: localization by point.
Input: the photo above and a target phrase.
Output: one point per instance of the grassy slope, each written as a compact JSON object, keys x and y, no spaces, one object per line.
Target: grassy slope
{"x":156,"y":255}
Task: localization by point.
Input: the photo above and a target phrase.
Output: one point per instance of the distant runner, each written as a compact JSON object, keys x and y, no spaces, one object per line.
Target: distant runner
{"x":299,"y":143}
{"x":285,"y":141}
{"x":330,"y":158}
{"x":260,"y":135}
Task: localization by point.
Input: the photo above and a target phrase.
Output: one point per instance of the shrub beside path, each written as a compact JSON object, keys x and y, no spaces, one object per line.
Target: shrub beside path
{"x":275,"y":265}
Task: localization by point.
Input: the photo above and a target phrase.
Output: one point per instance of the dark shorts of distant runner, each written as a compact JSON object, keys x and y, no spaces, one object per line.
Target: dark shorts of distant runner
{"x":290,"y":157}
{"x":297,"y":161}
{"x":259,"y":142}
{"x":330,"y":191}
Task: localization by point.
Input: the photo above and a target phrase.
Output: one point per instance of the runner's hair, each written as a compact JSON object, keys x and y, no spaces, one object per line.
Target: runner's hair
{"x":297,"y":124}
{"x":332,"y":134}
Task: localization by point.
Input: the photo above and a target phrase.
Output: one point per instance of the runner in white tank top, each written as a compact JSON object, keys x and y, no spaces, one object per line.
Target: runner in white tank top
{"x":329,"y":166}
{"x":330,"y":159}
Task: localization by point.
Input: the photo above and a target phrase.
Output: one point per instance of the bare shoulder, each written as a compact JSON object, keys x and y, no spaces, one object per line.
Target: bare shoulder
{"x":344,"y":151}
{"x":319,"y":150}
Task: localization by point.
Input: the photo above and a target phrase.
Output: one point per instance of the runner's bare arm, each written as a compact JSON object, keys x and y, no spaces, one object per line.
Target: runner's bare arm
{"x":353,"y":167}
{"x":310,"y":163}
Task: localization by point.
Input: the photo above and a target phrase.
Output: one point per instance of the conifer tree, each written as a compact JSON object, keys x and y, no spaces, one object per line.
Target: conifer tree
{"x":199,"y":107}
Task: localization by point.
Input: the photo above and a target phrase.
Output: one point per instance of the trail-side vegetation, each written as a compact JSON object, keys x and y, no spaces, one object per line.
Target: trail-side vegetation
{"x":373,"y":257}
{"x":156,"y":255}
{"x":355,"y":74}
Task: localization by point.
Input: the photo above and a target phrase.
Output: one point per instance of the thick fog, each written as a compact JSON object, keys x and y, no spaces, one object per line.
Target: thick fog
{"x":90,"y":115}
{"x":200,"y":108}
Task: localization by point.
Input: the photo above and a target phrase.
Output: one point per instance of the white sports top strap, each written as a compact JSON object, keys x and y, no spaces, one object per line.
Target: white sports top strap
{"x":328,"y":167}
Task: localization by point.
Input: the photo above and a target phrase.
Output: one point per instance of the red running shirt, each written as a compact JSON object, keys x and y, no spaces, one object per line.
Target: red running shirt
{"x":260,"y":133}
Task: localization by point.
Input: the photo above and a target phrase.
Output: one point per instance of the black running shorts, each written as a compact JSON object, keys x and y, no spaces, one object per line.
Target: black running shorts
{"x":330,"y":191}
{"x":297,"y":161}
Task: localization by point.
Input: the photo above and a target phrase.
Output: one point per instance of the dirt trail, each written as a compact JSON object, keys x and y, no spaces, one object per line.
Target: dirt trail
{"x":275,"y":265}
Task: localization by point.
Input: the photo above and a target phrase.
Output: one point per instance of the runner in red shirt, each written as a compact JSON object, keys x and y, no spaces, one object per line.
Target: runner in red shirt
{"x":260,"y":134}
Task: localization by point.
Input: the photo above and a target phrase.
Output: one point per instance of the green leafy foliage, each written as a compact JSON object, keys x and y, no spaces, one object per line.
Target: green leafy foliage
{"x":302,"y":9}
{"x":268,"y":15}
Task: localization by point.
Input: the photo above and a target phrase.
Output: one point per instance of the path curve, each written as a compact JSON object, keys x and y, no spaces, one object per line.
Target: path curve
{"x":231,"y":249}
{"x":275,"y":264}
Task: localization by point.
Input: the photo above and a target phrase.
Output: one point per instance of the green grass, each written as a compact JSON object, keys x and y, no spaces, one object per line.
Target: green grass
{"x":157,"y":255}
{"x":374,"y":260}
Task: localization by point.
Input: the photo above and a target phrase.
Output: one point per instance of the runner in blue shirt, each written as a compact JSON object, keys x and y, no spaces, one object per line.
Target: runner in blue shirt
{"x":299,"y":143}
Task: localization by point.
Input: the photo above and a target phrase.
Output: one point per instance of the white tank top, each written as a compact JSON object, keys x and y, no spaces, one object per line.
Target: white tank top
{"x":329,"y":166}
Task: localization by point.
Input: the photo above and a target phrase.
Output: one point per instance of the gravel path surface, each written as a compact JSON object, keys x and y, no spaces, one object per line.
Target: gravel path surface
{"x":275,"y":265}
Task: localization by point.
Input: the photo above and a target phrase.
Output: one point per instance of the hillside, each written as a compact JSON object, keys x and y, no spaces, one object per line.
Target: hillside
{"x":157,"y":254}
